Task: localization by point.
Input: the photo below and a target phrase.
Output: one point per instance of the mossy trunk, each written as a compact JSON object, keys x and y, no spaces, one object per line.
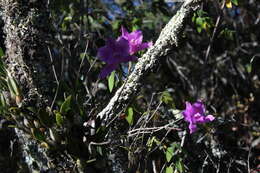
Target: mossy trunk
{"x":27,"y":38}
{"x":27,"y":29}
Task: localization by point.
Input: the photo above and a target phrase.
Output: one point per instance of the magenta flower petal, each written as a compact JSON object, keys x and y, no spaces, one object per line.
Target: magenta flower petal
{"x":195,"y":114}
{"x":188,"y":112}
{"x":124,"y":32}
{"x":122,"y":46}
{"x":114,"y":53}
{"x":198,"y":118}
{"x":146,"y":45}
{"x":104,"y":53}
{"x":121,"y":50}
{"x":133,"y":49}
{"x":209,"y":118}
{"x":107,"y":70}
{"x":135,"y":39}
{"x":198,"y":107}
{"x":192,"y":128}
{"x":129,"y":58}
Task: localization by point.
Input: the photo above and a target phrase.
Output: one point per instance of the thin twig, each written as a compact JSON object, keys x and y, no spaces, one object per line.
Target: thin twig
{"x":97,"y":144}
{"x":160,"y":143}
{"x":153,"y":129}
{"x":56,"y":78}
{"x":248,"y":160}
{"x":214,"y":33}
{"x":82,"y":60}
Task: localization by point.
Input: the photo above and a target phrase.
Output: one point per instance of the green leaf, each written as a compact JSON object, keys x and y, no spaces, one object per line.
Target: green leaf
{"x":234,"y":2}
{"x":115,"y":24}
{"x":249,"y":68}
{"x":12,"y":85}
{"x":65,"y":107}
{"x":130,"y":116}
{"x":38,"y":134}
{"x":169,"y":169}
{"x":149,"y":143}
{"x":2,"y":68}
{"x":12,"y":126}
{"x":227,"y":33}
{"x":82,"y":56}
{"x":169,"y":154}
{"x":135,"y":27}
{"x":179,"y":166}
{"x":59,"y":119}
{"x":111,"y":81}
{"x":201,"y":13}
{"x":67,"y":19}
{"x":99,"y":150}
{"x":2,"y":101}
{"x":167,"y":98}
{"x":200,"y":21}
{"x":32,"y":109}
{"x":199,"y":29}
{"x":1,"y":52}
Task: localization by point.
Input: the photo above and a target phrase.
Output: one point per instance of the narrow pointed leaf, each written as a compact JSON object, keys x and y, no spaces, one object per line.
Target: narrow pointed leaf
{"x":38,"y":134}
{"x":59,"y":119}
{"x":130,"y":116}
{"x":169,"y":169}
{"x":235,"y":2}
{"x":169,"y":154}
{"x":111,"y":81}
{"x":65,"y":107}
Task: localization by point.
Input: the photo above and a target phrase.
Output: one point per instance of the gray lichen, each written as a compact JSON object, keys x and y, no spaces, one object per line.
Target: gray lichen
{"x":27,"y":33}
{"x":26,"y":48}
{"x":33,"y":155}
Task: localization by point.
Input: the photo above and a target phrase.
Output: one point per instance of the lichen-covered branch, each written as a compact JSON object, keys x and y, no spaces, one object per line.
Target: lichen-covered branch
{"x":27,"y":34}
{"x":167,"y":40}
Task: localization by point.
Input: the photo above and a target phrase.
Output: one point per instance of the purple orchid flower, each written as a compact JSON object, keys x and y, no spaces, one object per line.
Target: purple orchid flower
{"x":114,"y":53}
{"x":135,"y":39}
{"x":195,"y":114}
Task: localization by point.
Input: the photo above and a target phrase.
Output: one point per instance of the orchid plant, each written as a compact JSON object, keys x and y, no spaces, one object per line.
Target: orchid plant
{"x":121,"y":50}
{"x":195,"y":114}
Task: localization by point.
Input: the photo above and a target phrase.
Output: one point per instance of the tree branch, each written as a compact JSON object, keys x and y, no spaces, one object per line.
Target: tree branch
{"x":167,"y":40}
{"x":27,"y":35}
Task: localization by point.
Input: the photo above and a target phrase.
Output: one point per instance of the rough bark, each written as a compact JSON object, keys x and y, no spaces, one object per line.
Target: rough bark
{"x":27,"y":34}
{"x":27,"y":31}
{"x":10,"y":152}
{"x":168,"y":40}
